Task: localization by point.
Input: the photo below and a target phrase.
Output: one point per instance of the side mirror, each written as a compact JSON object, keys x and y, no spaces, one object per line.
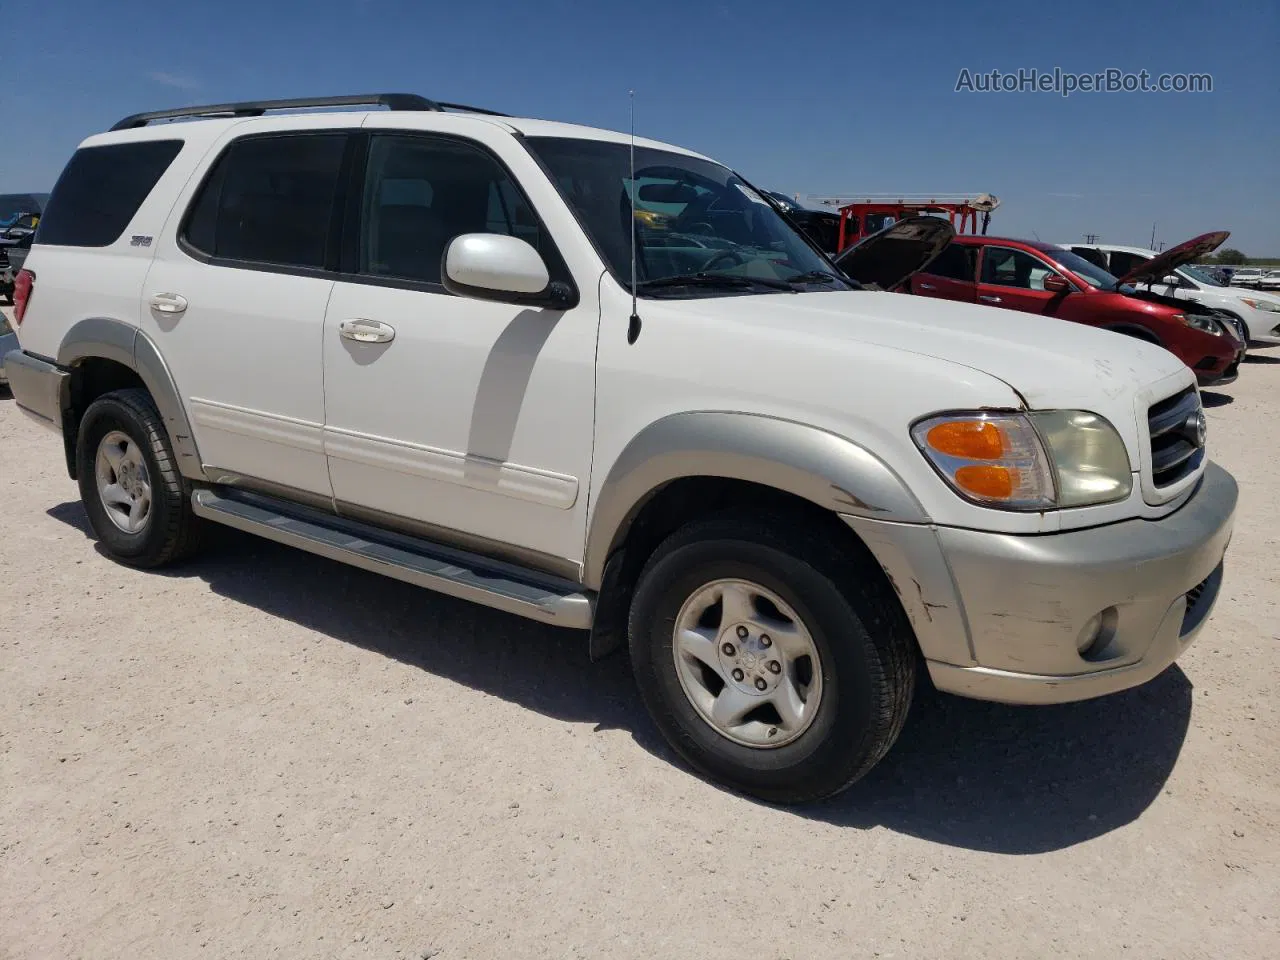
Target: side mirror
{"x":1056,"y":283}
{"x":493,"y":266}
{"x":1172,"y":280}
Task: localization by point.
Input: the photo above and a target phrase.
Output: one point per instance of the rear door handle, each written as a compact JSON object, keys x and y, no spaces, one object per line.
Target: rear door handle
{"x":927,"y":286}
{"x":367,"y":331}
{"x":989,"y":299}
{"x":168,"y":303}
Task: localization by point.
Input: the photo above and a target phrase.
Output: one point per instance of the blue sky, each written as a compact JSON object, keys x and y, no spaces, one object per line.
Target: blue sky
{"x":814,"y":98}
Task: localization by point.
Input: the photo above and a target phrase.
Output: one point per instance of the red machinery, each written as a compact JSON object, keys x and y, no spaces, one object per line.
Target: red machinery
{"x":862,"y":216}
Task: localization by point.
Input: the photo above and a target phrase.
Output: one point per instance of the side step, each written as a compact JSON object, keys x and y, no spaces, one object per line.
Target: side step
{"x":434,"y":566}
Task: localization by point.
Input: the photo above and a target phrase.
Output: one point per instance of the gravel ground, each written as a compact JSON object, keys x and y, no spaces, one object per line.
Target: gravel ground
{"x":265,"y":754}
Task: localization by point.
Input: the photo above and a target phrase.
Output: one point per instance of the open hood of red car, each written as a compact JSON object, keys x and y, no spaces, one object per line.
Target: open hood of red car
{"x":889,"y":256}
{"x":1158,"y":267}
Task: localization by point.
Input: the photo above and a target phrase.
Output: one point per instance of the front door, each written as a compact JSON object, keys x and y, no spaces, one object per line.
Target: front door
{"x":235,"y":300}
{"x":467,"y":416}
{"x":1014,"y":279}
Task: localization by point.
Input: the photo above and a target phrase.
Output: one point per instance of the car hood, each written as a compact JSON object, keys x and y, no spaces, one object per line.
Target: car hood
{"x":1050,"y":363}
{"x":1163,"y":264}
{"x":889,"y":256}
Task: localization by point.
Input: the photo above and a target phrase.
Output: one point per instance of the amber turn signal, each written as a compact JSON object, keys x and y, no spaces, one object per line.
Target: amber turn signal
{"x":968,"y":439}
{"x":989,"y":482}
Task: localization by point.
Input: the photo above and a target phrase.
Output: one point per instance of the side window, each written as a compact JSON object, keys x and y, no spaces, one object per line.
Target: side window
{"x":101,"y":189}
{"x":956,"y":262}
{"x":269,"y":200}
{"x":421,"y":192}
{"x":1006,"y":267}
{"x":1092,"y":254}
{"x":1122,"y":263}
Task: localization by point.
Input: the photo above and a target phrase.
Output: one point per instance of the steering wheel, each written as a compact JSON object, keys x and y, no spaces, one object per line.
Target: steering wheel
{"x":738,"y":257}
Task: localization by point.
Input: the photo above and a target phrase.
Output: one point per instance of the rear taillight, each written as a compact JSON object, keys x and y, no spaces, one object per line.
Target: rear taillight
{"x":23,"y":285}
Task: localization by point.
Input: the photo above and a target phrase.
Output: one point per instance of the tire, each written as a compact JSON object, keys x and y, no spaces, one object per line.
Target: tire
{"x":167,"y":530}
{"x":866,"y":653}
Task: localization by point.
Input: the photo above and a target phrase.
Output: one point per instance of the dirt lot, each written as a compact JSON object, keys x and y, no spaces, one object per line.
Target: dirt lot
{"x":265,"y":754}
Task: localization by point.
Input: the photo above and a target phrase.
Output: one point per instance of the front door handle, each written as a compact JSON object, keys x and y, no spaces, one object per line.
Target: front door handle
{"x":988,"y":299}
{"x":168,"y":303}
{"x":927,"y":286}
{"x":367,"y":331}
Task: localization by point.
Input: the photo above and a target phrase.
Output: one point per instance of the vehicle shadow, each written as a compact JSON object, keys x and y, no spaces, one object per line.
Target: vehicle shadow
{"x":1211,"y":399}
{"x":1261,"y":358}
{"x":982,"y":776}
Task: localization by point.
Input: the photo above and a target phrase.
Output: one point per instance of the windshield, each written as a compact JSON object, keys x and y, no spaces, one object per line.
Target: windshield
{"x":699,"y":229}
{"x":1091,"y":273}
{"x":1202,"y":274}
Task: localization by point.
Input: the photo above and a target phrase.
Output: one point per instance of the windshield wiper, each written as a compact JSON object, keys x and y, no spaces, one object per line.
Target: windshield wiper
{"x":815,"y":276}
{"x":713,"y":280}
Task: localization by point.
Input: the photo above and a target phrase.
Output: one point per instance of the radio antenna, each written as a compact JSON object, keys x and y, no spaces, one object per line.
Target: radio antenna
{"x":633,"y":326}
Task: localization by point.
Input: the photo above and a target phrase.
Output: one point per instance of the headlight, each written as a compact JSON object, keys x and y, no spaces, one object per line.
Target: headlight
{"x":1199,"y":322}
{"x":1032,"y":461}
{"x":1264,"y":305}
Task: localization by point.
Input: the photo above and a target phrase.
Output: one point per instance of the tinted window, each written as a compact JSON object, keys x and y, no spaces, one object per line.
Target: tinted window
{"x":956,"y":262}
{"x":1092,"y":254}
{"x":101,"y":189}
{"x":1006,"y":267}
{"x":421,"y":192}
{"x":270,"y":200}
{"x":1122,"y":263}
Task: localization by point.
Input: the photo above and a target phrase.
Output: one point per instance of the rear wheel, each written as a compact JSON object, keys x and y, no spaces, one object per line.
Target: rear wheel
{"x":137,"y":501}
{"x":774,"y":659}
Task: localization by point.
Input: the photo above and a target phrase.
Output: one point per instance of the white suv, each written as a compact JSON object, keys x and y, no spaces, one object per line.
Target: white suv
{"x":405,"y":339}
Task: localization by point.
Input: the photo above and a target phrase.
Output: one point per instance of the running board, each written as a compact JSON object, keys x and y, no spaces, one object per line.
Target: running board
{"x":444,"y":569}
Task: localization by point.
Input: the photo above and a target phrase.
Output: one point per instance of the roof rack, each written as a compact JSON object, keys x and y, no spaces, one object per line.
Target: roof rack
{"x":256,"y":108}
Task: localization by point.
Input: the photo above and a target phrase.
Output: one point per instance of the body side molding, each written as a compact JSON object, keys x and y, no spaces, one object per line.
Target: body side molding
{"x":819,"y":466}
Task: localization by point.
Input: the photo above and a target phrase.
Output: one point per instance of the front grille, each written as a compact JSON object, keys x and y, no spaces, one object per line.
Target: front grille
{"x":4,"y":258}
{"x":1176,"y":448}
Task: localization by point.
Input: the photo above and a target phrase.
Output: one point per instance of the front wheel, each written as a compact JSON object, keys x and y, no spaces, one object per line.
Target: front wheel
{"x":779,"y":664}
{"x":137,"y":501}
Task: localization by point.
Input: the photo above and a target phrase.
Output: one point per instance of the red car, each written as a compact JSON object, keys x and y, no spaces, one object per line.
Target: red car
{"x":1042,"y":278}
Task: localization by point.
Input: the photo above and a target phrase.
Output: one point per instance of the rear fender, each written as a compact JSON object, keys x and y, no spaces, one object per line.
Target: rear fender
{"x":123,"y":343}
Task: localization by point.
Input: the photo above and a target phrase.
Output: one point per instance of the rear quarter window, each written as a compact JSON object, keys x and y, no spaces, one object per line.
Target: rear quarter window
{"x":101,"y":189}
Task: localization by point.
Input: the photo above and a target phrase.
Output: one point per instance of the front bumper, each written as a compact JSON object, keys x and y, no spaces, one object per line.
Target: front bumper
{"x":1005,"y":617}
{"x":40,"y":388}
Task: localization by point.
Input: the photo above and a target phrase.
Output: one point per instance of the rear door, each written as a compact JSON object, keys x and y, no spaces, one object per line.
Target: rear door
{"x":1014,"y":279}
{"x":952,"y":276}
{"x":236,"y":299}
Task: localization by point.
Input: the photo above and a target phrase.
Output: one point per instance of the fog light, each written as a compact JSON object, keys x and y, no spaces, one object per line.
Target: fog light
{"x":1089,"y":633}
{"x":1096,"y":635}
